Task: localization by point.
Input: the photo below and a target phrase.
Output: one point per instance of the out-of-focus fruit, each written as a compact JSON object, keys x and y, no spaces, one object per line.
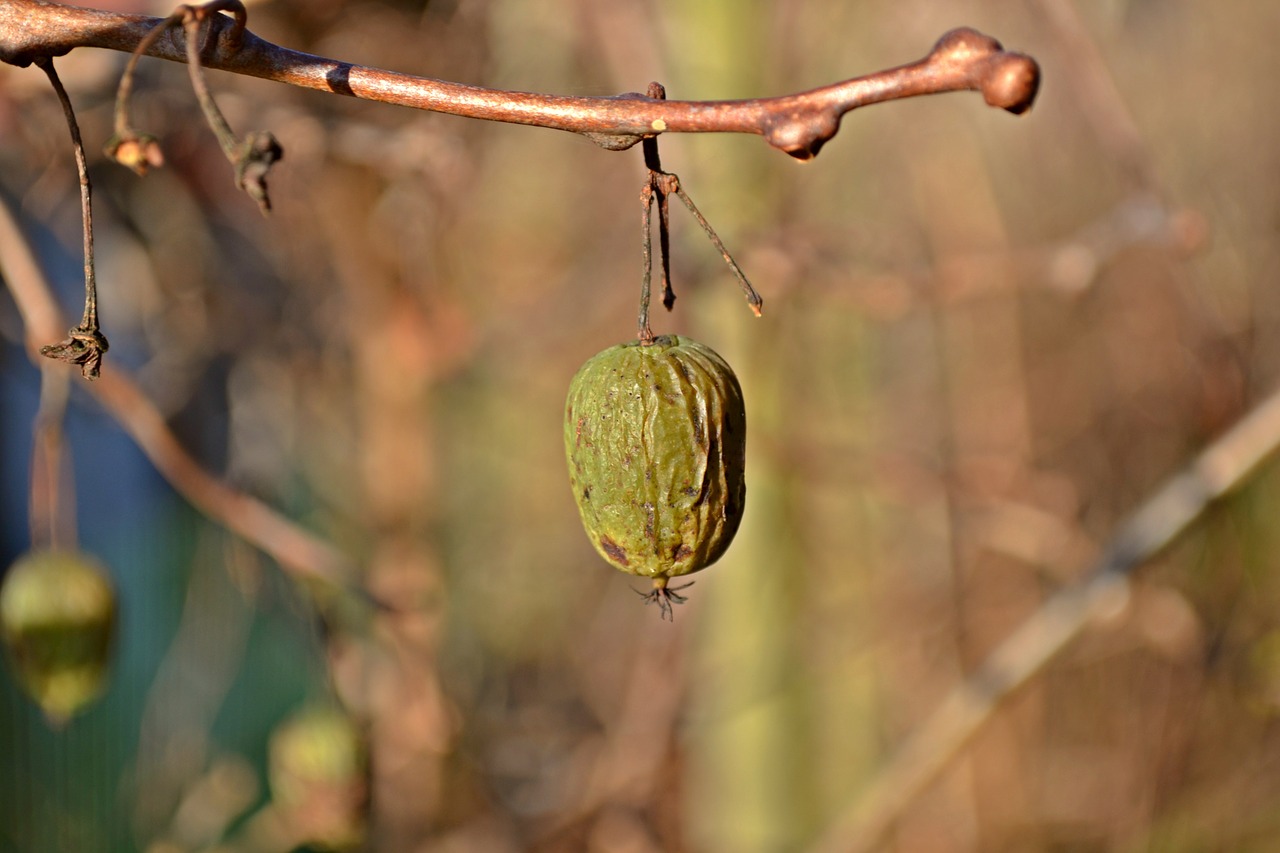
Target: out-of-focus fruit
{"x":57,"y":618}
{"x":317,"y":775}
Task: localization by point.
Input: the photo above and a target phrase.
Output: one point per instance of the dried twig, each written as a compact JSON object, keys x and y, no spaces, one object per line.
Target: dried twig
{"x":250,"y":157}
{"x":1221,"y":467}
{"x":85,"y":344}
{"x":798,"y":124}
{"x":129,"y":146}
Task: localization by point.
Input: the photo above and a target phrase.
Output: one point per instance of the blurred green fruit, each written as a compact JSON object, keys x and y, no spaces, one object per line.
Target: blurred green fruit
{"x":57,"y":615}
{"x":317,"y":774}
{"x":655,"y":437}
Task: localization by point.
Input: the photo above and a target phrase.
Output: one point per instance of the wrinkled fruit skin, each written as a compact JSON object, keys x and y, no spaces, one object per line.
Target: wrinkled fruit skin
{"x":656,"y":441}
{"x":57,"y":617}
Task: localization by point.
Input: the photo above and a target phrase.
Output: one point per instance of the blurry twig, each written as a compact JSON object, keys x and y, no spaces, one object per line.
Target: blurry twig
{"x":1218,"y":469}
{"x":298,"y":551}
{"x":1100,"y":101}
{"x":52,"y":496}
{"x":798,"y":124}
{"x":174,"y":746}
{"x":639,"y":738}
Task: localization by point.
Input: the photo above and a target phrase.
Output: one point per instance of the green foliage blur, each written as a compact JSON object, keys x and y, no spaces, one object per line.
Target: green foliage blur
{"x":985,"y":340}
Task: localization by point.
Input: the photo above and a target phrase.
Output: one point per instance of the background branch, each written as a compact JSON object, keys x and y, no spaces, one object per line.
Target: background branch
{"x":1221,"y":467}
{"x":298,"y":551}
{"x":797,"y":124}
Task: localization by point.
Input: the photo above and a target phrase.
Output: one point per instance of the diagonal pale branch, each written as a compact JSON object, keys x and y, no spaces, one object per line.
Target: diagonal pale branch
{"x":1221,"y":467}
{"x":299,"y":552}
{"x":799,"y":124}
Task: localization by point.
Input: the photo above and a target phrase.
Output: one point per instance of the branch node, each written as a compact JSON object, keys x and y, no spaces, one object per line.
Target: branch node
{"x":1007,"y":80}
{"x":615,"y":141}
{"x":802,"y":136}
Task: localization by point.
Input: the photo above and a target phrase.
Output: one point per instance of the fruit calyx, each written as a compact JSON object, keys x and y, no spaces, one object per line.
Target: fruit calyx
{"x":665,"y":597}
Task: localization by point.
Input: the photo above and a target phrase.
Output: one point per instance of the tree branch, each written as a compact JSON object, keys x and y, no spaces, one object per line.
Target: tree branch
{"x":797,"y":124}
{"x":1220,"y":468}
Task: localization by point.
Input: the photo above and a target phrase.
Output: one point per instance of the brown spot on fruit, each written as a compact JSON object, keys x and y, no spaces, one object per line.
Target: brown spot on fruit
{"x":614,"y":551}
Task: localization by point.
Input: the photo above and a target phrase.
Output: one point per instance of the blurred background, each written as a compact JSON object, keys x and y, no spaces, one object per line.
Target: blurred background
{"x":986,"y":339}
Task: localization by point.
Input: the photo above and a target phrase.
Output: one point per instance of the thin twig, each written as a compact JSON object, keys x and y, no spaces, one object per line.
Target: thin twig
{"x":1100,"y":103}
{"x":90,"y":318}
{"x":652,"y":188}
{"x":627,"y":769}
{"x":1219,"y":469}
{"x":129,"y":146}
{"x":300,"y":552}
{"x":653,"y":162}
{"x":798,"y":124}
{"x":664,"y":249}
{"x":645,"y":332}
{"x":661,"y":185}
{"x":753,"y":298}
{"x":251,"y":157}
{"x":85,"y":344}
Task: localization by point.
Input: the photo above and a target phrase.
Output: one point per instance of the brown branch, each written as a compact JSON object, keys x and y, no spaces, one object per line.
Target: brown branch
{"x":798,"y":124}
{"x":1223,"y":466}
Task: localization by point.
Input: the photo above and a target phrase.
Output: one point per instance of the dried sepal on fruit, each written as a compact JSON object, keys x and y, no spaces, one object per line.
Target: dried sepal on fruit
{"x":655,"y":436}
{"x":57,"y":619}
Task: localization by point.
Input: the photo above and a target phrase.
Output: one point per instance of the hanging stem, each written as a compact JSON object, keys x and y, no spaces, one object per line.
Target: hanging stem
{"x":664,"y":245}
{"x":128,"y":146}
{"x":661,"y":185}
{"x":653,"y":163}
{"x":645,"y":333}
{"x":85,"y":344}
{"x":252,"y":156}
